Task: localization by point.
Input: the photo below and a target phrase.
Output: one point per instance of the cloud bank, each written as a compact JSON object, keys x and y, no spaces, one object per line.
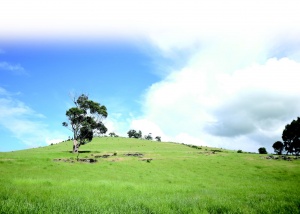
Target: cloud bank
{"x":239,"y":110}
{"x":238,"y":87}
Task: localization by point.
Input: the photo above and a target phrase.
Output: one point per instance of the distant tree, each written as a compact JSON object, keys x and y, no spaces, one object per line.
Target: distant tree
{"x":158,"y":138}
{"x":85,"y":120}
{"x":148,"y":137}
{"x":131,"y":133}
{"x":291,"y":137}
{"x":112,"y":134}
{"x":278,"y":147}
{"x":262,"y":150}
{"x":134,"y":134}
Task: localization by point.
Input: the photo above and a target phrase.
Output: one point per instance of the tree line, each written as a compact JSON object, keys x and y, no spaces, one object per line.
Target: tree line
{"x":137,"y":134}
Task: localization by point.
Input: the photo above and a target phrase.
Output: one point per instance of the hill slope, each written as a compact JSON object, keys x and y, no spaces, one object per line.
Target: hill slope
{"x":175,"y":179}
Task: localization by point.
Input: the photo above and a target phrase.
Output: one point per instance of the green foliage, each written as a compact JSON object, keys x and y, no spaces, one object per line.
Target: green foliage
{"x":291,"y":137}
{"x":112,"y":134}
{"x":85,"y":120}
{"x":262,"y":150}
{"x":148,"y":137}
{"x":239,"y":151}
{"x":134,"y":134}
{"x":278,"y":147}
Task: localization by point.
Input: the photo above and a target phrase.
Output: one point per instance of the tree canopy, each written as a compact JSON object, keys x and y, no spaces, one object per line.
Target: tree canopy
{"x":148,"y":137}
{"x":158,"y":138}
{"x":85,"y":120}
{"x":133,"y":133}
{"x":278,"y":147}
{"x":291,"y":137}
{"x":262,"y":150}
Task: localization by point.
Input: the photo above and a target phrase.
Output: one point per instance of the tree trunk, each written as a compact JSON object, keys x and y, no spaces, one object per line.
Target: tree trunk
{"x":75,"y":146}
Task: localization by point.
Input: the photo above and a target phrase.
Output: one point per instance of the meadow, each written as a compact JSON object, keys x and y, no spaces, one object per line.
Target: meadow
{"x":178,"y":179}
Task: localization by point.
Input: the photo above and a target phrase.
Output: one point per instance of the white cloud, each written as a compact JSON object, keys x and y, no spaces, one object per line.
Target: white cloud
{"x":148,"y":127}
{"x":15,"y":69}
{"x":238,"y":87}
{"x":117,"y":123}
{"x":219,"y":106}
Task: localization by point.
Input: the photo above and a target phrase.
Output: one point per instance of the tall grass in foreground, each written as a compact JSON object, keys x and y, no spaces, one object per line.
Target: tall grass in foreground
{"x":178,"y":180}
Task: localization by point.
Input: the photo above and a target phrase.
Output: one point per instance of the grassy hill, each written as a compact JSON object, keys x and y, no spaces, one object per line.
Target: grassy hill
{"x":175,"y":179}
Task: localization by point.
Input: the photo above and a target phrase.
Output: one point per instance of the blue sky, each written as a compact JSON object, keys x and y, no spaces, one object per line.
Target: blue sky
{"x":42,"y":78}
{"x":223,"y":74}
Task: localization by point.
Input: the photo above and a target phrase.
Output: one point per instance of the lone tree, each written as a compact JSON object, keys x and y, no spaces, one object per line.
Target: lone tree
{"x":262,"y":150}
{"x":85,"y":120}
{"x":112,"y":134}
{"x":278,"y":147}
{"x":291,"y":137}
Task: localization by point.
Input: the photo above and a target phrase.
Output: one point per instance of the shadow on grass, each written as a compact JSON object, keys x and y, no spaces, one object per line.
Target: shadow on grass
{"x":84,"y":151}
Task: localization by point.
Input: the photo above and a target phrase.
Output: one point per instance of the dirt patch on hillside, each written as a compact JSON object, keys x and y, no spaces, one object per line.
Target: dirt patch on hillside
{"x":136,"y":154}
{"x":118,"y":160}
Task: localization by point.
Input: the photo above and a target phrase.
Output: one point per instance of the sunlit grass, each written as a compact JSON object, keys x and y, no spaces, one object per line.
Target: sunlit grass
{"x":179,"y":179}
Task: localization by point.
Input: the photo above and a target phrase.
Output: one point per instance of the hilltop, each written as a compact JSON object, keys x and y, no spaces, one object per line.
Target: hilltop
{"x":141,"y":176}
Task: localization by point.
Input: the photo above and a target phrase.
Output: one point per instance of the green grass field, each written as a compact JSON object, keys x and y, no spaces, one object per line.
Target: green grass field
{"x":179,"y":179}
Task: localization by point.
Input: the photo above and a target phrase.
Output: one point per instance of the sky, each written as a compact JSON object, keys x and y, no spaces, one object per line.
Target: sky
{"x":212,"y":73}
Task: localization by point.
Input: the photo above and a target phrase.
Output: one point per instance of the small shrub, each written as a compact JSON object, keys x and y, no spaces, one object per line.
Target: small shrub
{"x":239,"y":151}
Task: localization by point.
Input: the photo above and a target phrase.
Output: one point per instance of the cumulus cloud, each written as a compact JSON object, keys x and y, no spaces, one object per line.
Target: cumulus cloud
{"x":259,"y":97}
{"x":238,"y":87}
{"x":24,"y":124}
{"x":239,"y":109}
{"x":117,"y":123}
{"x":148,"y":127}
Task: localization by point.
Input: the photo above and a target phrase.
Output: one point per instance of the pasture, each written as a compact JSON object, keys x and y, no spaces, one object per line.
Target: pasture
{"x":163,"y":178}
